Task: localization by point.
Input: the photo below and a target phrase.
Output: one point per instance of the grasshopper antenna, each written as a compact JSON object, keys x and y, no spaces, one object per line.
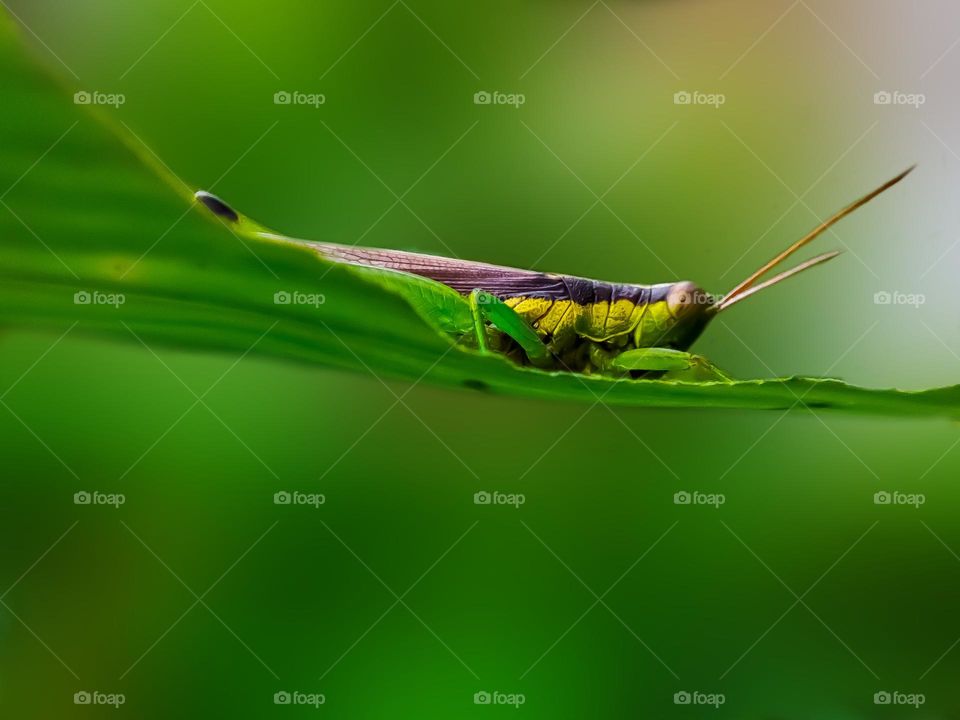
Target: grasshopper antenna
{"x":812,"y":262}
{"x":741,"y":290}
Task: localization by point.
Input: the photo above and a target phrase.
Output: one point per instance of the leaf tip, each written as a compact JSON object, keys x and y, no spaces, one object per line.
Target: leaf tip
{"x":217,"y":206}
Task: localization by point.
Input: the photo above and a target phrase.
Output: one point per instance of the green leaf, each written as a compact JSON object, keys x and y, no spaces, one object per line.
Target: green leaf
{"x":86,"y":208}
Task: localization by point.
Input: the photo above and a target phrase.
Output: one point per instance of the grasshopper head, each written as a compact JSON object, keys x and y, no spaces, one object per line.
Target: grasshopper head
{"x":686,"y":300}
{"x":689,"y":308}
{"x":676,"y":317}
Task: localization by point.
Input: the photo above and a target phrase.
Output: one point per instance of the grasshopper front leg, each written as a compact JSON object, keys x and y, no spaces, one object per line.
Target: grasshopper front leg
{"x":675,"y":364}
{"x":662,"y":363}
{"x":652,"y":360}
{"x":488,"y":308}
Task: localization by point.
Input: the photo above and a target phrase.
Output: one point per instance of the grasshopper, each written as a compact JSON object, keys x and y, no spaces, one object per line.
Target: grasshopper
{"x":565,"y":322}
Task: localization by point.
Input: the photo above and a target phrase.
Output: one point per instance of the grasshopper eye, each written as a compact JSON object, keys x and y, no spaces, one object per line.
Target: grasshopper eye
{"x":683,"y":297}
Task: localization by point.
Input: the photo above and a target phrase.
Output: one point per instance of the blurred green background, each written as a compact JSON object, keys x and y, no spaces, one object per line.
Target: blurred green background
{"x":598,"y":597}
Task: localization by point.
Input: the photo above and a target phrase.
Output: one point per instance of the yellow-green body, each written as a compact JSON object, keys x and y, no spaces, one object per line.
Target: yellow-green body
{"x":552,"y":320}
{"x":563,"y":324}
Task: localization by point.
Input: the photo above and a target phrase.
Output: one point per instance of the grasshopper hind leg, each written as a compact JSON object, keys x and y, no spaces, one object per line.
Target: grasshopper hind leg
{"x":488,"y":308}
